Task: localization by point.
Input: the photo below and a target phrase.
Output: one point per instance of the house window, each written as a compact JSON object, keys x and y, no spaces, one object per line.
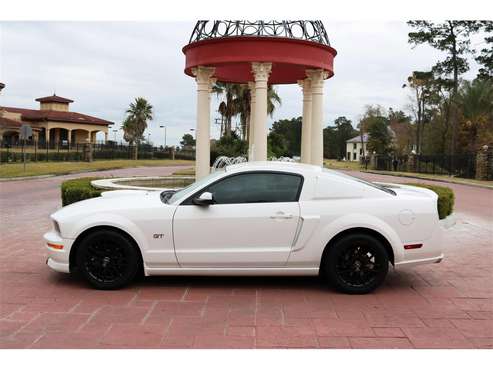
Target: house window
{"x":354,"y":156}
{"x":348,"y":156}
{"x":355,"y":145}
{"x":361,"y":151}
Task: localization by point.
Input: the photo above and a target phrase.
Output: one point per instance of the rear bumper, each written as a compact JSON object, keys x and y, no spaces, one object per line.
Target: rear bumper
{"x":431,"y":250}
{"x":58,"y":259}
{"x":422,"y":261}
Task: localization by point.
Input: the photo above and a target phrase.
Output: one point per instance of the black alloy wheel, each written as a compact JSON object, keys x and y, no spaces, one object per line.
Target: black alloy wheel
{"x":356,"y":264}
{"x":107,"y":259}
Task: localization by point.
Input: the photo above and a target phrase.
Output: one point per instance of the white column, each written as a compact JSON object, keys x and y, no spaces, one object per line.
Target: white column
{"x":202,"y":131}
{"x":251,"y":124}
{"x":317,"y":77}
{"x":306,"y":126}
{"x":261,"y":73}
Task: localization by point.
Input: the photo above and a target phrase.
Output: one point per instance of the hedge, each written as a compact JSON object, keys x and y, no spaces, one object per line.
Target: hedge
{"x":445,"y":198}
{"x":79,"y":189}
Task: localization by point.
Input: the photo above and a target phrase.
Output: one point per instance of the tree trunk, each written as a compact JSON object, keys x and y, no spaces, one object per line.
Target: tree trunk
{"x":422,"y":124}
{"x":418,"y":123}
{"x":136,"y":151}
{"x":455,"y":88}
{"x":227,"y":131}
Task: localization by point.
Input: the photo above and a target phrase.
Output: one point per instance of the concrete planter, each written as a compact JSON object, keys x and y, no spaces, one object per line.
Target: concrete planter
{"x":123,"y":183}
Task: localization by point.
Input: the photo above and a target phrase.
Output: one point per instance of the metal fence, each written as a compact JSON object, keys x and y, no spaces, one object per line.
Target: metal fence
{"x":460,"y":165}
{"x":64,"y":151}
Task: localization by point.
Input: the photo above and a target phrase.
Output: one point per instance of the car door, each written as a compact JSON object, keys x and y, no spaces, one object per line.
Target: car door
{"x":252,"y":222}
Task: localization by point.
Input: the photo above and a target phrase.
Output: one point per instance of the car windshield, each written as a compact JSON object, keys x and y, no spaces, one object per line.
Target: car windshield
{"x":193,"y":187}
{"x":372,"y":184}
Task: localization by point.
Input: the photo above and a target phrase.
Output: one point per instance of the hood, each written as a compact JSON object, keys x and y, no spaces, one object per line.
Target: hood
{"x":110,"y":201}
{"x":123,"y":193}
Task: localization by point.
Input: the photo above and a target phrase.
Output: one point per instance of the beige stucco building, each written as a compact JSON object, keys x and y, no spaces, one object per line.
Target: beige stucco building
{"x":52,"y":123}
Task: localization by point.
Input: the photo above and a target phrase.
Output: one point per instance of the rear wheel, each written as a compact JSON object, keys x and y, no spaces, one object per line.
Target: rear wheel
{"x":356,"y":264}
{"x":107,"y":259}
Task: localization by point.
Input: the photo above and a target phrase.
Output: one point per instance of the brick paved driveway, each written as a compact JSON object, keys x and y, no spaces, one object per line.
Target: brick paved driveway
{"x":448,"y":305}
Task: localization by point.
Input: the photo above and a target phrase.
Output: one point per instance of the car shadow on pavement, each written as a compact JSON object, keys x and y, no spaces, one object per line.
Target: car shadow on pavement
{"x":395,"y":281}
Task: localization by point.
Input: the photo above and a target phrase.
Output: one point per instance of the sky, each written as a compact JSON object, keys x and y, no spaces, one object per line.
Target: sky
{"x":103,"y":66}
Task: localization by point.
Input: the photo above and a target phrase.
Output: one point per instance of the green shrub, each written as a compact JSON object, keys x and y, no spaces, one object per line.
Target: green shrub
{"x":445,"y":198}
{"x":78,"y":189}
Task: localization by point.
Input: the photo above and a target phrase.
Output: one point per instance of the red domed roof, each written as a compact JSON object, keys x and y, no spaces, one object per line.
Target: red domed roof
{"x":231,"y":47}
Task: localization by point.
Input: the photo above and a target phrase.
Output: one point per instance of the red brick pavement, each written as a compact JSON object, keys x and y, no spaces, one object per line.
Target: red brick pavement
{"x":447,"y":305}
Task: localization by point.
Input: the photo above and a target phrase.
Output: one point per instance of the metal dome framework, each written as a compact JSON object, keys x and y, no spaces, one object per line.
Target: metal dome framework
{"x":313,"y":31}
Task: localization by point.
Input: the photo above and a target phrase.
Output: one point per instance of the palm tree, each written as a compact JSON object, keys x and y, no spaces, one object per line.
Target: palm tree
{"x":138,"y":113}
{"x":238,"y":102}
{"x":227,"y":108}
{"x":476,"y":100}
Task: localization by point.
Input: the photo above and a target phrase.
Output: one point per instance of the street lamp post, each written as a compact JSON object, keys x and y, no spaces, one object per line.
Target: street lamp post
{"x":162,"y":126}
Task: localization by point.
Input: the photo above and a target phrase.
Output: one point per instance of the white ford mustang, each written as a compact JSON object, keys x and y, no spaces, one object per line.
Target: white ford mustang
{"x":257,"y":218}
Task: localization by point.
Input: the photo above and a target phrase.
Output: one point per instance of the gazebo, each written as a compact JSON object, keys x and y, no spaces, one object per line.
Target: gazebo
{"x":260,"y":53}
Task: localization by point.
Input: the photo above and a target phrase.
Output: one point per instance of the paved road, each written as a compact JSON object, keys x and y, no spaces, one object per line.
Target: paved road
{"x":447,"y":305}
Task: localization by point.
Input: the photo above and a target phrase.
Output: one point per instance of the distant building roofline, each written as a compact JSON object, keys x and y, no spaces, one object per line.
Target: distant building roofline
{"x":57,"y":116}
{"x":54,"y":99}
{"x":357,"y":139}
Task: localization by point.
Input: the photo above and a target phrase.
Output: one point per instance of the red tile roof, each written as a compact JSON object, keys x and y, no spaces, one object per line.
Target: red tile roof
{"x":54,"y":99}
{"x":57,"y":116}
{"x":9,"y":123}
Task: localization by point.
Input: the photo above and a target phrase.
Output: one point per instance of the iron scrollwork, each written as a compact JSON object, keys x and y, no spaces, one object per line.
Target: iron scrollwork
{"x":302,"y":30}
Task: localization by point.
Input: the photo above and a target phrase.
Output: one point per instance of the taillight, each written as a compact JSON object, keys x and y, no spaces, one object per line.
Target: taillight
{"x":412,"y":246}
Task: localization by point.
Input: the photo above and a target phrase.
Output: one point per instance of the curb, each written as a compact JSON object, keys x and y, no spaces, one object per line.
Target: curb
{"x":9,"y":179}
{"x":428,"y":179}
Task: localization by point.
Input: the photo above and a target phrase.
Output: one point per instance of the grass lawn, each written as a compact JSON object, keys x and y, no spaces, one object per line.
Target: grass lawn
{"x":12,"y":170}
{"x":185,"y":172}
{"x":334,"y":164}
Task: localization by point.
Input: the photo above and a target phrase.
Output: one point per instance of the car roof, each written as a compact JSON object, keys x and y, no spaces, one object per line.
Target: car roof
{"x":274,"y":166}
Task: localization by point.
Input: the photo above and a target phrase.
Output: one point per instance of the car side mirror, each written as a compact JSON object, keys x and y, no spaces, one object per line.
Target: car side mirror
{"x":204,"y":199}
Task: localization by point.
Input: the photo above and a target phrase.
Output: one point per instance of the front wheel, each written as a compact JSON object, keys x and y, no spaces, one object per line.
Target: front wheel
{"x":356,"y":264}
{"x":107,"y":259}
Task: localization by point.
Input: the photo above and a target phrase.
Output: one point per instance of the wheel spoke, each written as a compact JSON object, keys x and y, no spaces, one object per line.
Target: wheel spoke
{"x":359,"y":266}
{"x":106,"y":261}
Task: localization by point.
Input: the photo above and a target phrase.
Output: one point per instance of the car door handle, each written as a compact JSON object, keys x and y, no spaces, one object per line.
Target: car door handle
{"x":281,"y":216}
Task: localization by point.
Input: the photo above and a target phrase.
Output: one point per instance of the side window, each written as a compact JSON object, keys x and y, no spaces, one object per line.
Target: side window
{"x":257,"y":188}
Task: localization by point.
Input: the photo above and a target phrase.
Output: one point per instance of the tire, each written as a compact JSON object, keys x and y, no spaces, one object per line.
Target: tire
{"x":356,"y":264}
{"x":107,"y":259}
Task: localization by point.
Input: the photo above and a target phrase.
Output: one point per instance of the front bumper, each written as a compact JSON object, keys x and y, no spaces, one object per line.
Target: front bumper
{"x":58,"y":259}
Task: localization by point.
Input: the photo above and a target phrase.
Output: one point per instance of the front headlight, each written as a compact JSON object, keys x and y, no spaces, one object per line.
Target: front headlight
{"x":56,"y":227}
